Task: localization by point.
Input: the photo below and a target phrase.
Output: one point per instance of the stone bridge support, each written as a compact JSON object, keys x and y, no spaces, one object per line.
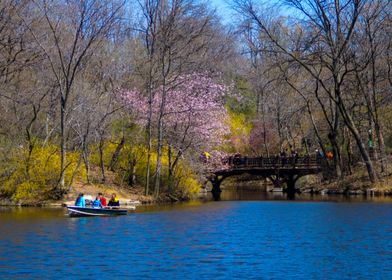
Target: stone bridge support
{"x":290,"y":183}
{"x":288,"y":179}
{"x":216,"y":183}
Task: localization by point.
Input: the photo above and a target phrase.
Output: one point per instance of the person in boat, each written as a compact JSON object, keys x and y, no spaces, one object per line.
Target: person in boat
{"x":114,"y":202}
{"x":80,"y":201}
{"x":97,"y":203}
{"x":102,"y":199}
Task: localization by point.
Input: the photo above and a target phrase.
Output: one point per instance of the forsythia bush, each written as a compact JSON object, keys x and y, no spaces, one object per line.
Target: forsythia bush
{"x":132,"y":161}
{"x":187,"y":185}
{"x":32,"y":178}
{"x":240,"y":130}
{"x":108,"y":150}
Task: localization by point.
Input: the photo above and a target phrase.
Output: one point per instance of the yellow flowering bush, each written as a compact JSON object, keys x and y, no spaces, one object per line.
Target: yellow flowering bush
{"x":34,"y":176}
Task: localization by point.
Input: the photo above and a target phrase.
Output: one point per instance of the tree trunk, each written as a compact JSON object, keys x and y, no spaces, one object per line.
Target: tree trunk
{"x":170,"y":175}
{"x":101,"y":163}
{"x":336,"y":154}
{"x":362,"y":149}
{"x":372,"y":137}
{"x":159,"y":159}
{"x":373,"y":98}
{"x":63,"y":142}
{"x":264,"y":128}
{"x":132,"y":171}
{"x":74,"y":173}
{"x":86,"y":164}
{"x":146,"y":189}
{"x":31,"y":148}
{"x":165,"y":71}
{"x":159,"y":144}
{"x":149,"y":137}
{"x":349,"y":153}
{"x":381,"y":148}
{"x":114,"y":159}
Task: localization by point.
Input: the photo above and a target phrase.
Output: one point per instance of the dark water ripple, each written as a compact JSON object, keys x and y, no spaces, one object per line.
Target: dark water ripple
{"x":221,"y":240}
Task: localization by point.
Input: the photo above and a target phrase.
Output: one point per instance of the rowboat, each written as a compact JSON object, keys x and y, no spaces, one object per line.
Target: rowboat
{"x":77,"y":211}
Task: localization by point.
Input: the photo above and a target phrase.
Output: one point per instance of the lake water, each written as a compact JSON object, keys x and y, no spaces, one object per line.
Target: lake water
{"x":253,"y":237}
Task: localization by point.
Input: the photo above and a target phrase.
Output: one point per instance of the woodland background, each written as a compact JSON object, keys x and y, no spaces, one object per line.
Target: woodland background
{"x":132,"y":93}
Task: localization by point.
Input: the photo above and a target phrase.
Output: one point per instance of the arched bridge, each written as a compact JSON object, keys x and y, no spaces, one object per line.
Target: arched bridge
{"x":281,"y":171}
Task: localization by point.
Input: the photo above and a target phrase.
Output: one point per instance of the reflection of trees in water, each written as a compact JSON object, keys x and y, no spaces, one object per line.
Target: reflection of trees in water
{"x":247,"y":195}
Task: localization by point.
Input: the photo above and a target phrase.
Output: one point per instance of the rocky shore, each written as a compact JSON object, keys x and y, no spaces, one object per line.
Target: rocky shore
{"x":350,"y":185}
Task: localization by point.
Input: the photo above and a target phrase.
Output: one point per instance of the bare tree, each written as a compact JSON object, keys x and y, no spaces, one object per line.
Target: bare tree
{"x":72,"y":30}
{"x":325,"y":48}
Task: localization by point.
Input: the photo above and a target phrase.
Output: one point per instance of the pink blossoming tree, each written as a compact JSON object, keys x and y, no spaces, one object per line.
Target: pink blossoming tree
{"x":195,"y":119}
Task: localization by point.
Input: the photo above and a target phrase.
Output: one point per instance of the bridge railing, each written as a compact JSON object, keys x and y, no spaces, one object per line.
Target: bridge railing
{"x":274,"y":162}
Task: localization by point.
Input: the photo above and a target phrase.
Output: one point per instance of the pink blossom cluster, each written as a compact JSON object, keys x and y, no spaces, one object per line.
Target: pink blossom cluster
{"x":136,"y":104}
{"x":194,"y":114}
{"x":218,"y":160}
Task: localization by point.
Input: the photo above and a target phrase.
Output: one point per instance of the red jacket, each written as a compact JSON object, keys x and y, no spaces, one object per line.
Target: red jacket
{"x":103,"y":201}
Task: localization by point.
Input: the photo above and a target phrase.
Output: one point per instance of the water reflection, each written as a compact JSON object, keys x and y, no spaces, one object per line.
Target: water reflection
{"x":30,"y":213}
{"x":245,"y":235}
{"x":247,"y":195}
{"x":36,"y":213}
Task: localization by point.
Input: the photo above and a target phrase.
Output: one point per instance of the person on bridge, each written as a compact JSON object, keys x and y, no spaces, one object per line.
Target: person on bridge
{"x":319,"y":155}
{"x":294,"y":156}
{"x":205,"y":156}
{"x":276,"y":159}
{"x":237,"y":159}
{"x":283,"y":157}
{"x":261,"y":160}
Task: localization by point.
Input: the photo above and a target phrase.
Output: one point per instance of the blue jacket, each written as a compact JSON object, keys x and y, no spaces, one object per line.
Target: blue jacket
{"x":80,"y":201}
{"x":97,"y":204}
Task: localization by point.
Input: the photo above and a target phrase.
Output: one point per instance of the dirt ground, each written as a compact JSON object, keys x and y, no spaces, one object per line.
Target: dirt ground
{"x":123,"y":193}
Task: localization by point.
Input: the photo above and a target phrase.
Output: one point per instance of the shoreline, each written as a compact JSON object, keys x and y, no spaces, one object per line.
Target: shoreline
{"x":131,"y":204}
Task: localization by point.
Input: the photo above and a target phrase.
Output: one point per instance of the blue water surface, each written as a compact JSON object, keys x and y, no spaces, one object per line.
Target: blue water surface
{"x":213,"y":240}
